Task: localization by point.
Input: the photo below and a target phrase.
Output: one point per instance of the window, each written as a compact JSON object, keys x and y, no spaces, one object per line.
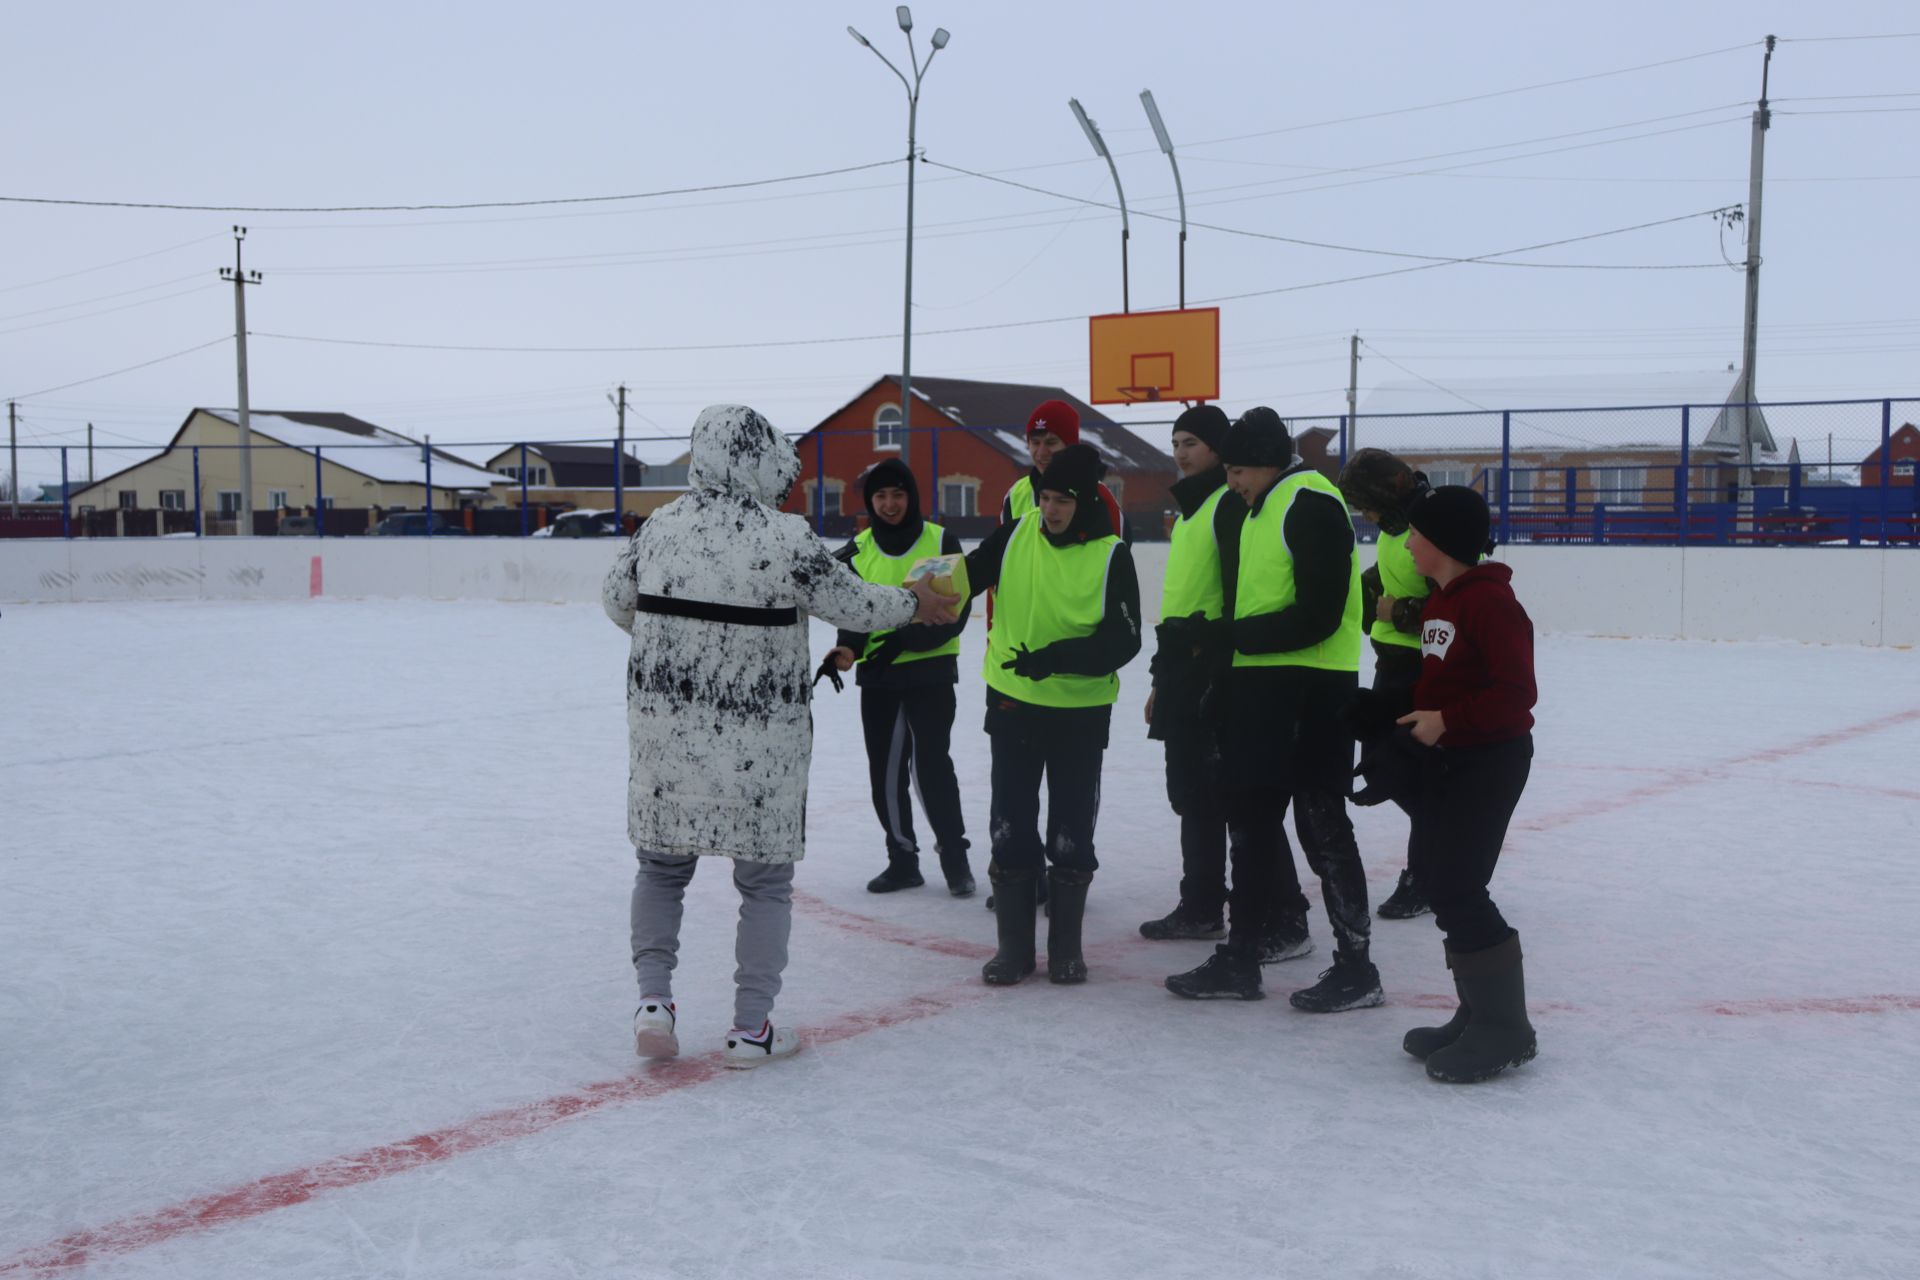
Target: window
{"x":1903,"y":468}
{"x":173,"y":499}
{"x":229,"y":500}
{"x":327,"y":503}
{"x":277,"y":499}
{"x":511,"y":473}
{"x":129,"y":499}
{"x":1618,"y":486}
{"x":1117,"y":487}
{"x":1438,"y":475}
{"x":536,"y":475}
{"x":888,"y":433}
{"x":959,"y":498}
{"x":836,"y":492}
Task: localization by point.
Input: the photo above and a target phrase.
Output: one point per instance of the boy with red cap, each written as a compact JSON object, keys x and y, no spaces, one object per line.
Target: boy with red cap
{"x":1461,"y":758}
{"x":1051,"y":427}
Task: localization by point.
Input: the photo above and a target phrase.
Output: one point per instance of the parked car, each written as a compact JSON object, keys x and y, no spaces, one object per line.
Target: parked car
{"x":582,"y":524}
{"x":298,"y":527}
{"x":415,"y":524}
{"x":1791,"y":526}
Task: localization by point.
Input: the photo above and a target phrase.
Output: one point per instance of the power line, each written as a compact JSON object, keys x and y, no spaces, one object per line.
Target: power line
{"x":1895,"y":35}
{"x":425,"y":208}
{"x":118,"y":262}
{"x":101,"y":377}
{"x":105,"y":297}
{"x":107,"y":311}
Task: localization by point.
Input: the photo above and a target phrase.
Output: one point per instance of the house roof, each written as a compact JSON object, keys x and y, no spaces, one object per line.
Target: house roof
{"x":401,"y":464}
{"x":573,"y":466}
{"x":997,"y":413}
{"x":1567,"y":413}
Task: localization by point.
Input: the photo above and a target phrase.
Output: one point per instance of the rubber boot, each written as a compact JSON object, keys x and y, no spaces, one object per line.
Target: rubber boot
{"x":1498,"y":1035}
{"x":1013,"y":914}
{"x":1422,"y":1042}
{"x":1067,"y":892}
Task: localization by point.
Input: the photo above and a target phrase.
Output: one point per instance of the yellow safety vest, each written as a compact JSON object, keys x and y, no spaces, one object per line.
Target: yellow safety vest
{"x":1399,"y":579}
{"x":1048,"y":593}
{"x":1266,"y":583}
{"x":877,"y":567}
{"x":1192,"y":584}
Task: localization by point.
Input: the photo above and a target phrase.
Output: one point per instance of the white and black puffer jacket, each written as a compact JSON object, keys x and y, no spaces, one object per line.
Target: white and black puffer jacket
{"x":718,"y":711}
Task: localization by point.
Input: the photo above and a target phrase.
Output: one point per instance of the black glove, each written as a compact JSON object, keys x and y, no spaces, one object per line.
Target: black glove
{"x":1395,"y":767}
{"x":1195,"y":635}
{"x":1370,"y":592}
{"x":887,"y":650}
{"x":1029,"y":665}
{"x":830,"y":672}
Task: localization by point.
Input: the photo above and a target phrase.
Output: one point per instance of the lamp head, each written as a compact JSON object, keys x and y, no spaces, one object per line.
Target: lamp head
{"x":940,"y":37}
{"x":905,"y":16}
{"x":1093,"y":134}
{"x":1153,"y":118}
{"x":857,"y":36}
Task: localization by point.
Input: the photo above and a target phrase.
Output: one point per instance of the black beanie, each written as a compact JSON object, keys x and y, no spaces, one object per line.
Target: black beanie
{"x":891,"y":473}
{"x":1074,"y":471}
{"x":1258,"y":439}
{"x":1206,"y":422}
{"x":1455,"y":519}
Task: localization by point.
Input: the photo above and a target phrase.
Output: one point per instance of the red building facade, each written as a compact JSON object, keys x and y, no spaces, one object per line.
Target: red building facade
{"x":1903,"y":453}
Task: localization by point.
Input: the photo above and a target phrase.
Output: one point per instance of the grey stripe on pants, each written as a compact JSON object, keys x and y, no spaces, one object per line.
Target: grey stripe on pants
{"x":760,"y":942}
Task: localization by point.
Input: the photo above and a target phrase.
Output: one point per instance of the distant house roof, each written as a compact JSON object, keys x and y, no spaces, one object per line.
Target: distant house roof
{"x":1568,"y":413}
{"x":574,"y":466}
{"x":351,"y":437}
{"x":997,"y":413}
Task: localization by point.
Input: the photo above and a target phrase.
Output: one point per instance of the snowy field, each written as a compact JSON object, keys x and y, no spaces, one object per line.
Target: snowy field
{"x":313,"y":963}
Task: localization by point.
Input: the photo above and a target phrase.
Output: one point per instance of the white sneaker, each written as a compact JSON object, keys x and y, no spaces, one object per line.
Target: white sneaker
{"x":653,"y":1033}
{"x":751,"y":1048}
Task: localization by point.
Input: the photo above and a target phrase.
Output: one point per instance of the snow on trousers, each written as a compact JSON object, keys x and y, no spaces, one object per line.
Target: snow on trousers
{"x":908,"y":732}
{"x":1458,"y":830}
{"x":760,"y":941}
{"x":1070,"y":762}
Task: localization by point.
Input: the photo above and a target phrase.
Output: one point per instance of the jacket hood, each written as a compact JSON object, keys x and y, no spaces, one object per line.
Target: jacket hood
{"x":1488,"y":573}
{"x":891,"y":473}
{"x":735,"y":450}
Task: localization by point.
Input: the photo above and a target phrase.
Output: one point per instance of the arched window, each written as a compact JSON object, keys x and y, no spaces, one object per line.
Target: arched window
{"x":888,"y":433}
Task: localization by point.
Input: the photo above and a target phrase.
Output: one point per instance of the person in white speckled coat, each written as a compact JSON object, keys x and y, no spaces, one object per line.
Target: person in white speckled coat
{"x":716,"y":589}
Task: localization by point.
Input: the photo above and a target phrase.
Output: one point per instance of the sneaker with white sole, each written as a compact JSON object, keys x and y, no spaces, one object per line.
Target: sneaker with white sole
{"x":653,"y":1029}
{"x":751,"y":1048}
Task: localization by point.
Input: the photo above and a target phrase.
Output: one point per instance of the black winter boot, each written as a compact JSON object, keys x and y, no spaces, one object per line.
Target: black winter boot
{"x":1284,"y":938}
{"x":896,"y":877}
{"x":954,"y":866}
{"x":1498,"y":1035}
{"x":1013,"y":914}
{"x":1405,"y":902}
{"x":1186,"y":922}
{"x":1227,"y":975}
{"x":1352,"y":983}
{"x":1423,"y":1042}
{"x":1067,"y":896}
{"x":1040,"y":883}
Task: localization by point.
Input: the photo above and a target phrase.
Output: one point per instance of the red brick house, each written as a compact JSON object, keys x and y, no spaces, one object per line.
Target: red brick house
{"x":1903,"y":453}
{"x":972,"y":437}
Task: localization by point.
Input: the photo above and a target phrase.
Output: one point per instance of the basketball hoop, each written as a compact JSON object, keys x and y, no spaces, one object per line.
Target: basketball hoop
{"x":1154,"y":357}
{"x":1139,"y":395}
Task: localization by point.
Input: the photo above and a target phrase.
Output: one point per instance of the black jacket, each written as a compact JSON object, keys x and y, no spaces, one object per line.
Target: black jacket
{"x":1188,"y":659}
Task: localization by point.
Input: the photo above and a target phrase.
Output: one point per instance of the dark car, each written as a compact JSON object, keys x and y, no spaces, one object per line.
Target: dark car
{"x":415,"y":524}
{"x":585,"y":524}
{"x":298,"y":527}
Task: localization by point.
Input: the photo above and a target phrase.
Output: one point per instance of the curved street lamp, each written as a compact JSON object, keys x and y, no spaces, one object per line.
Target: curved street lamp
{"x":904,"y":16}
{"x":1100,"y":149}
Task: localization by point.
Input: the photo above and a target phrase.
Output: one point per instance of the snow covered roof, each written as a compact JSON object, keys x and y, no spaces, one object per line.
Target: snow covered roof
{"x":1565,"y":413}
{"x":349,"y":440}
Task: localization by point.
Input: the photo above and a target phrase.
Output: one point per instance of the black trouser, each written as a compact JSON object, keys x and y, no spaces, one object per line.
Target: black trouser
{"x":1396,"y":668}
{"x":1198,"y":795}
{"x":908,"y":732}
{"x":1024,"y":750}
{"x":1458,"y":829}
{"x":1285,"y":743}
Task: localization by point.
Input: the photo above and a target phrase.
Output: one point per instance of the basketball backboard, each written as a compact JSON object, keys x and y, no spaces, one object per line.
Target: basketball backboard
{"x":1146,"y":356}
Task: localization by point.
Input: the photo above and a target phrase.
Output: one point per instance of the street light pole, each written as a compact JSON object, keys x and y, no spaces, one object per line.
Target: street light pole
{"x":1100,"y":149}
{"x":1166,"y":144}
{"x":904,"y":16}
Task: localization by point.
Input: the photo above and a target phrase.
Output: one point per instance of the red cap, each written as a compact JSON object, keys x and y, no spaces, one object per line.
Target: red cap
{"x":1058,"y":417}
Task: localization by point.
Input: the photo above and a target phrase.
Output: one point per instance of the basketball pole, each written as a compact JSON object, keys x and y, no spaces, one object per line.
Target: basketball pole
{"x":1100,"y":149}
{"x":1166,"y":145}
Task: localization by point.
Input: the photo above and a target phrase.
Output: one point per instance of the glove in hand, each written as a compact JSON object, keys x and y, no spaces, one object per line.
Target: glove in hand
{"x":831,"y":672}
{"x":1029,"y":665}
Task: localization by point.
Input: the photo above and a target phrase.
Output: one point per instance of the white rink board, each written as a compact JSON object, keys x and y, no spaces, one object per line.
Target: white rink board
{"x":1809,"y":594}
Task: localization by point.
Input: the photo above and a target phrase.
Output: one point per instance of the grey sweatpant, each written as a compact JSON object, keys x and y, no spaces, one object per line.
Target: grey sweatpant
{"x":760,"y":943}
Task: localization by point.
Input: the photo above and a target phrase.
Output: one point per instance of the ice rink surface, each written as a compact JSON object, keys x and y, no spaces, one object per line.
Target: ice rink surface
{"x":313,"y":964}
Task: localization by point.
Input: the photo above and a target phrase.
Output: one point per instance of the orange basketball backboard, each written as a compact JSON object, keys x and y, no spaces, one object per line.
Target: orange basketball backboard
{"x":1145,"y":356}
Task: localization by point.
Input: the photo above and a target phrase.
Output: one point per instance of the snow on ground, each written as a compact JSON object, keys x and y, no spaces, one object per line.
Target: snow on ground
{"x":313,"y":964}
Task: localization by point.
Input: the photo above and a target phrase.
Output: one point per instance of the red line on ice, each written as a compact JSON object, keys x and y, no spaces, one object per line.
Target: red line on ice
{"x":297,"y":1186}
{"x":1817,"y":1004}
{"x":1716,"y":771}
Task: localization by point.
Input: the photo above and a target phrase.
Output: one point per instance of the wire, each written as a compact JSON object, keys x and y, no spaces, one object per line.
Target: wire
{"x":108,"y":297}
{"x":1895,"y":35}
{"x":1853,"y":111}
{"x":101,"y":377}
{"x":420,"y":208}
{"x":118,"y":262}
{"x":1465,"y":399}
{"x":107,"y":311}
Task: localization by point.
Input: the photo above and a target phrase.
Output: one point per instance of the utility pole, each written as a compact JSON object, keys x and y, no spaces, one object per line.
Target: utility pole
{"x":13,"y":459}
{"x":620,"y":465}
{"x":1749,"y":342}
{"x":1353,"y":391}
{"x":241,"y":279}
{"x":89,"y":453}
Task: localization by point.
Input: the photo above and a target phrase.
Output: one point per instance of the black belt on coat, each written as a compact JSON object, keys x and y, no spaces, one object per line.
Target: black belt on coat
{"x":707,"y":611}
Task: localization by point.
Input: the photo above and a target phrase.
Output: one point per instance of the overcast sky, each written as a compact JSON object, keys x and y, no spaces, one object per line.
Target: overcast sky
{"x":352,"y":103}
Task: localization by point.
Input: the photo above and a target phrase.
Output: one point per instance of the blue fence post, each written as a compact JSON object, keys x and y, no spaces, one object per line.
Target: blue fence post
{"x":619,"y":486}
{"x":1793,"y":485}
{"x":319,"y":499}
{"x":933,"y":451}
{"x":1506,"y":477}
{"x":820,"y":482}
{"x":1571,"y":498}
{"x":66,"y":527}
{"x":1886,"y":467}
{"x":196,"y":491}
{"x":1344,"y":426}
{"x":525,"y":516}
{"x":1684,"y":479}
{"x":1599,"y":524}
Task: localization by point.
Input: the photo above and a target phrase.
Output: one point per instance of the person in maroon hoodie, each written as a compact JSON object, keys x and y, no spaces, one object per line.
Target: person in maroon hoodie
{"x":1461,"y":758}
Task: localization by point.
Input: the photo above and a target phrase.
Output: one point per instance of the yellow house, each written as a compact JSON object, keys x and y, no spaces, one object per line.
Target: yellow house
{"x":300,"y":460}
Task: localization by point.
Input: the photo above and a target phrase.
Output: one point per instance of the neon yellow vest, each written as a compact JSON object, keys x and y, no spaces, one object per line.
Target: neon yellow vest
{"x":1020,"y":498}
{"x":877,"y":567}
{"x":1266,"y":581}
{"x":1192,"y":584}
{"x":1048,"y":593}
{"x":1399,"y":579}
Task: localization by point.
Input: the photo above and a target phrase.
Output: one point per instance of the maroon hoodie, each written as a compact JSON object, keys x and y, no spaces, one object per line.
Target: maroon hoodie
{"x":1476,"y":647}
